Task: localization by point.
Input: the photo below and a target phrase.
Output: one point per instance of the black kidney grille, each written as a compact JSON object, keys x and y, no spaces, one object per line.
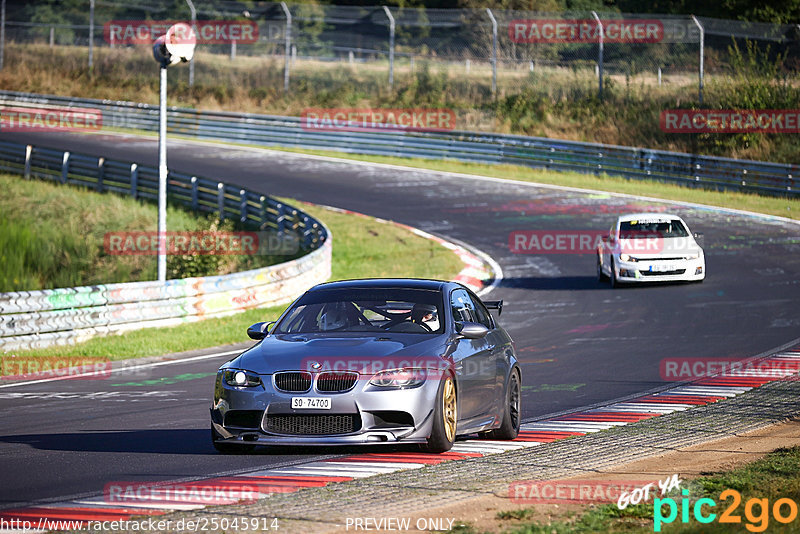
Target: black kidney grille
{"x":331,"y":381}
{"x":294,"y":381}
{"x":312,"y":425}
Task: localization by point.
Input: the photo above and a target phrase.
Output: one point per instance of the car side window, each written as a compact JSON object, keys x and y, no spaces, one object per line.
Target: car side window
{"x":462,"y":306}
{"x":481,"y":313}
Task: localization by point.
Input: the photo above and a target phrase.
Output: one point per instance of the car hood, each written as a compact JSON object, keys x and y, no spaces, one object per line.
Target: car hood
{"x":363,"y":353}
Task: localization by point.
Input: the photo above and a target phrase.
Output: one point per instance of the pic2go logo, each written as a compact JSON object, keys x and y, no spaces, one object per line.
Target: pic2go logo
{"x":756,"y":511}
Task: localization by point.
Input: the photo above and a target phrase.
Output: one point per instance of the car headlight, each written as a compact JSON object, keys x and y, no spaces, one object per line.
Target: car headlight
{"x":627,"y":257}
{"x":693,"y":256}
{"x":240,"y":378}
{"x":407,"y":377}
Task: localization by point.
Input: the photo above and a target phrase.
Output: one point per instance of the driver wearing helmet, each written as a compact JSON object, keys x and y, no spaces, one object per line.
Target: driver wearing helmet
{"x":334,"y":317}
{"x":425,"y":315}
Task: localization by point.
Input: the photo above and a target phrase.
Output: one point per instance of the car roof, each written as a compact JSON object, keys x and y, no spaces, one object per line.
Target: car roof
{"x":384,"y":283}
{"x":648,"y":215}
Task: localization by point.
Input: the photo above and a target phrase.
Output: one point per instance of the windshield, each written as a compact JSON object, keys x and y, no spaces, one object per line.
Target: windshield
{"x":413,"y":311}
{"x":642,"y":229}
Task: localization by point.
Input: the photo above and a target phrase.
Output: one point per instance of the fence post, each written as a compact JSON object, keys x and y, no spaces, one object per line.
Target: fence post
{"x":233,"y":49}
{"x":28,"y":154}
{"x":599,"y":55}
{"x":262,"y":211}
{"x":243,"y":205}
{"x":221,"y":200}
{"x":194,"y":193}
{"x":101,"y":169}
{"x":391,"y":45}
{"x":280,"y":219}
{"x":2,"y":33}
{"x":702,"y":53}
{"x":287,"y":46}
{"x":91,"y":34}
{"x":194,"y":31}
{"x":52,"y":36}
{"x":494,"y":50}
{"x":65,"y":168}
{"x":134,"y":180}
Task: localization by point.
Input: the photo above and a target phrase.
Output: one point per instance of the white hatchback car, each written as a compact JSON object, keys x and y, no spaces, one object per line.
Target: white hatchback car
{"x":650,"y":247}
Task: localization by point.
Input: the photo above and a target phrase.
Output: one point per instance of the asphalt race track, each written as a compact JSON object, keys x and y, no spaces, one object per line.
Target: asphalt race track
{"x":579,"y":341}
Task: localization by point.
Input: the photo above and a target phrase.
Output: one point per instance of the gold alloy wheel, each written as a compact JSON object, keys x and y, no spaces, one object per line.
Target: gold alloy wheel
{"x":449,"y":409}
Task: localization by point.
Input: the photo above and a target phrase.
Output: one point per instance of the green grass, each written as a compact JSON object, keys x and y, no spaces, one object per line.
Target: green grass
{"x":556,"y":102}
{"x":772,"y":477}
{"x":362,"y":248}
{"x":52,"y":236}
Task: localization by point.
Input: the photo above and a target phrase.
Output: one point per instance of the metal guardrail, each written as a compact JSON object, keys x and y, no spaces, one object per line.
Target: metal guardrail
{"x":30,"y":319}
{"x":593,"y":158}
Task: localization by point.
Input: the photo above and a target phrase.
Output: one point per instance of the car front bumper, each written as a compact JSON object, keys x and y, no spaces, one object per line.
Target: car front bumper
{"x":660,"y":271}
{"x":242,"y":415}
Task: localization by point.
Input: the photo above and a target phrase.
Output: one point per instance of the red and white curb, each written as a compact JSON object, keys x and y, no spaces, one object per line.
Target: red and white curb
{"x":477,"y":272}
{"x":261,"y":484}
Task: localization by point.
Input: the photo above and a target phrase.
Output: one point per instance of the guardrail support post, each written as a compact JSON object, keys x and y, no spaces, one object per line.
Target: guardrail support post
{"x":28,"y":154}
{"x":280,"y":220}
{"x":194,"y":193}
{"x":134,"y":180}
{"x":243,"y":205}
{"x":391,"y":45}
{"x":221,"y":200}
{"x":65,"y":168}
{"x":599,"y":55}
{"x":101,"y":170}
{"x":287,"y":47}
{"x":494,"y":50}
{"x":262,"y":212}
{"x":701,"y":72}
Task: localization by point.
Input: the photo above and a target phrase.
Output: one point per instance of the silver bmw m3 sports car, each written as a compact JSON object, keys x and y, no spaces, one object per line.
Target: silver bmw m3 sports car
{"x":369,"y":362}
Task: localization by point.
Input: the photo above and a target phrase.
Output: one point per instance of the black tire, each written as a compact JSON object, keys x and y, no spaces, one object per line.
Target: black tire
{"x":229,"y":448}
{"x":509,"y":429}
{"x":445,"y":418}
{"x":600,"y":274}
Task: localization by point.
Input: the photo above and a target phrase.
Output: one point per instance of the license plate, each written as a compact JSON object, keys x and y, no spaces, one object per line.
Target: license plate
{"x":311,"y":403}
{"x":662,"y":267}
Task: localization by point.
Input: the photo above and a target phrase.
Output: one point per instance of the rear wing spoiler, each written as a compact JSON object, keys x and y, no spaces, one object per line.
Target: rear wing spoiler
{"x":494,"y":305}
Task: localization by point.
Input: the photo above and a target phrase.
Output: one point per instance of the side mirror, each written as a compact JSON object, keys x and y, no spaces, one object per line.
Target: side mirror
{"x":259,"y":330}
{"x":472,"y":330}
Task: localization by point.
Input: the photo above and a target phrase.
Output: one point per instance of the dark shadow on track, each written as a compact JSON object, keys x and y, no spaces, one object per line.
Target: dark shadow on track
{"x":577,"y":283}
{"x":554,"y":283}
{"x":174,"y":441}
